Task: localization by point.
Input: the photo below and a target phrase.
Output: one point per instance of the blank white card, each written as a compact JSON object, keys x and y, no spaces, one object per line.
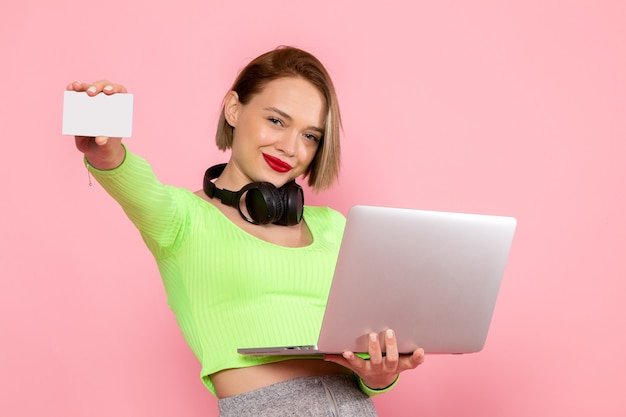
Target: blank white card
{"x":100,"y":115}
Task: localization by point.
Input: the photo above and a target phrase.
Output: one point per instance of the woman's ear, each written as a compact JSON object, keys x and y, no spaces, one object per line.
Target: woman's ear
{"x":231,"y":107}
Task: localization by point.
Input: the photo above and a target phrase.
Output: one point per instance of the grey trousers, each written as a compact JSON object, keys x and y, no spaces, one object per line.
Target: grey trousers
{"x":311,"y":396}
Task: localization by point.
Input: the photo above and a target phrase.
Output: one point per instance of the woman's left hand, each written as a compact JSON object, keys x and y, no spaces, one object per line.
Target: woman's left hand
{"x":379,"y":371}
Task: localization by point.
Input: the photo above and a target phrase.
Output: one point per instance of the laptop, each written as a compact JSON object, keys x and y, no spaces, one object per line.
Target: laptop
{"x":433,"y":277}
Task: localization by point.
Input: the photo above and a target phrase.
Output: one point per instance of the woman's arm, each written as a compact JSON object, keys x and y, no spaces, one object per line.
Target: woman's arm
{"x":130,"y":180}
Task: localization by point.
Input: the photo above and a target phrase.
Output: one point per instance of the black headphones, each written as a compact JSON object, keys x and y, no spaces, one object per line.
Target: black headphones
{"x":264,"y":202}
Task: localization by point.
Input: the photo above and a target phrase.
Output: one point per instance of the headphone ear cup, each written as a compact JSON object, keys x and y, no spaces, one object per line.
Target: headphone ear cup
{"x":263,"y":202}
{"x":259,"y":202}
{"x":293,"y":202}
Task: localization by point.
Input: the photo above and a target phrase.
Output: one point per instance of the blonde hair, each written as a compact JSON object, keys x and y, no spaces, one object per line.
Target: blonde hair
{"x":286,"y":61}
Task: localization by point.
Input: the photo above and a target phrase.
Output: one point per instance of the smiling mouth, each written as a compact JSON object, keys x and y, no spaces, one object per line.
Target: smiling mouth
{"x":277,"y":164}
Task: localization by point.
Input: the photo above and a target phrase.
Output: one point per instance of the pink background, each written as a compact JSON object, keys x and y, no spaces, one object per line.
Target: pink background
{"x":501,"y":107}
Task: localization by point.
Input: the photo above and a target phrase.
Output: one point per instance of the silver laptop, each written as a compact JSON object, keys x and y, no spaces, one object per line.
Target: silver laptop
{"x":433,"y":277}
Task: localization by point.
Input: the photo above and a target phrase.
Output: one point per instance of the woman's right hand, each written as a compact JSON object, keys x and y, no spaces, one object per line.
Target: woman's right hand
{"x":102,"y":152}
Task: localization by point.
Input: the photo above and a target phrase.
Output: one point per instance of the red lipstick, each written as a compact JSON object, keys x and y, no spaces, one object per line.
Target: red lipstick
{"x":276,"y":164}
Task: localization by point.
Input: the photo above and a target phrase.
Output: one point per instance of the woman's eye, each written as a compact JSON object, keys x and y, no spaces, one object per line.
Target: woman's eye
{"x":275,"y":121}
{"x":311,"y":137}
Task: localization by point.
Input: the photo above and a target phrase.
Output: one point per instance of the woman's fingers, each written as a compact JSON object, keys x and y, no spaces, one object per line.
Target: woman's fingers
{"x":75,"y":86}
{"x":391,"y":349}
{"x":383,"y":365}
{"x":375,"y":351}
{"x":97,"y":87}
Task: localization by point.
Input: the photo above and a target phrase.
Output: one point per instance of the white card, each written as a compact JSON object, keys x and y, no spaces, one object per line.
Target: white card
{"x":101,"y":115}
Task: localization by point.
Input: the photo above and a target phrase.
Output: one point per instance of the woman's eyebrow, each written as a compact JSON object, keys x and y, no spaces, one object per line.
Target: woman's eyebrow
{"x":280,"y":112}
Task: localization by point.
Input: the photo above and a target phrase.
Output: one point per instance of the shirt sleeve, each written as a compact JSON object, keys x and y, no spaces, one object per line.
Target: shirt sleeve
{"x":372,"y":391}
{"x":153,"y":207}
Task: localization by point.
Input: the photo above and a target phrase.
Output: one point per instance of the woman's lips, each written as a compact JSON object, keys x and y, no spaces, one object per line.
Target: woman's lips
{"x":276,"y":164}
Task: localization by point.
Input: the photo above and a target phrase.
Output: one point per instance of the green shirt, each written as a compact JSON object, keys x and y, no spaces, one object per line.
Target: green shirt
{"x":227,"y":288}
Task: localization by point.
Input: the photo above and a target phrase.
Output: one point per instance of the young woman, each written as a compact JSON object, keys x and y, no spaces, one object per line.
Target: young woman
{"x":243,"y":262}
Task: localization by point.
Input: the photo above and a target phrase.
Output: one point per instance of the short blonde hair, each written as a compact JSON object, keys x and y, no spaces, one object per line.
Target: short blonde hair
{"x":286,"y":61}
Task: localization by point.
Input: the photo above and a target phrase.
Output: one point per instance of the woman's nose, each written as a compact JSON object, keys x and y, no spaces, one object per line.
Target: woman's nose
{"x":288,"y":143}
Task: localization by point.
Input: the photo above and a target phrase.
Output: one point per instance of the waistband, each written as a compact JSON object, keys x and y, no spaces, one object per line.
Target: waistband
{"x":326,"y":395}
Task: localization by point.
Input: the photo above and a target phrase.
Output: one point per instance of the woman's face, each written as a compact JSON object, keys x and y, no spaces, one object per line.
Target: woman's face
{"x":277,"y":133}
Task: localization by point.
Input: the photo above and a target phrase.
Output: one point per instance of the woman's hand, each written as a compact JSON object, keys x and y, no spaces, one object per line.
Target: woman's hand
{"x":102,"y":152}
{"x":379,"y":371}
